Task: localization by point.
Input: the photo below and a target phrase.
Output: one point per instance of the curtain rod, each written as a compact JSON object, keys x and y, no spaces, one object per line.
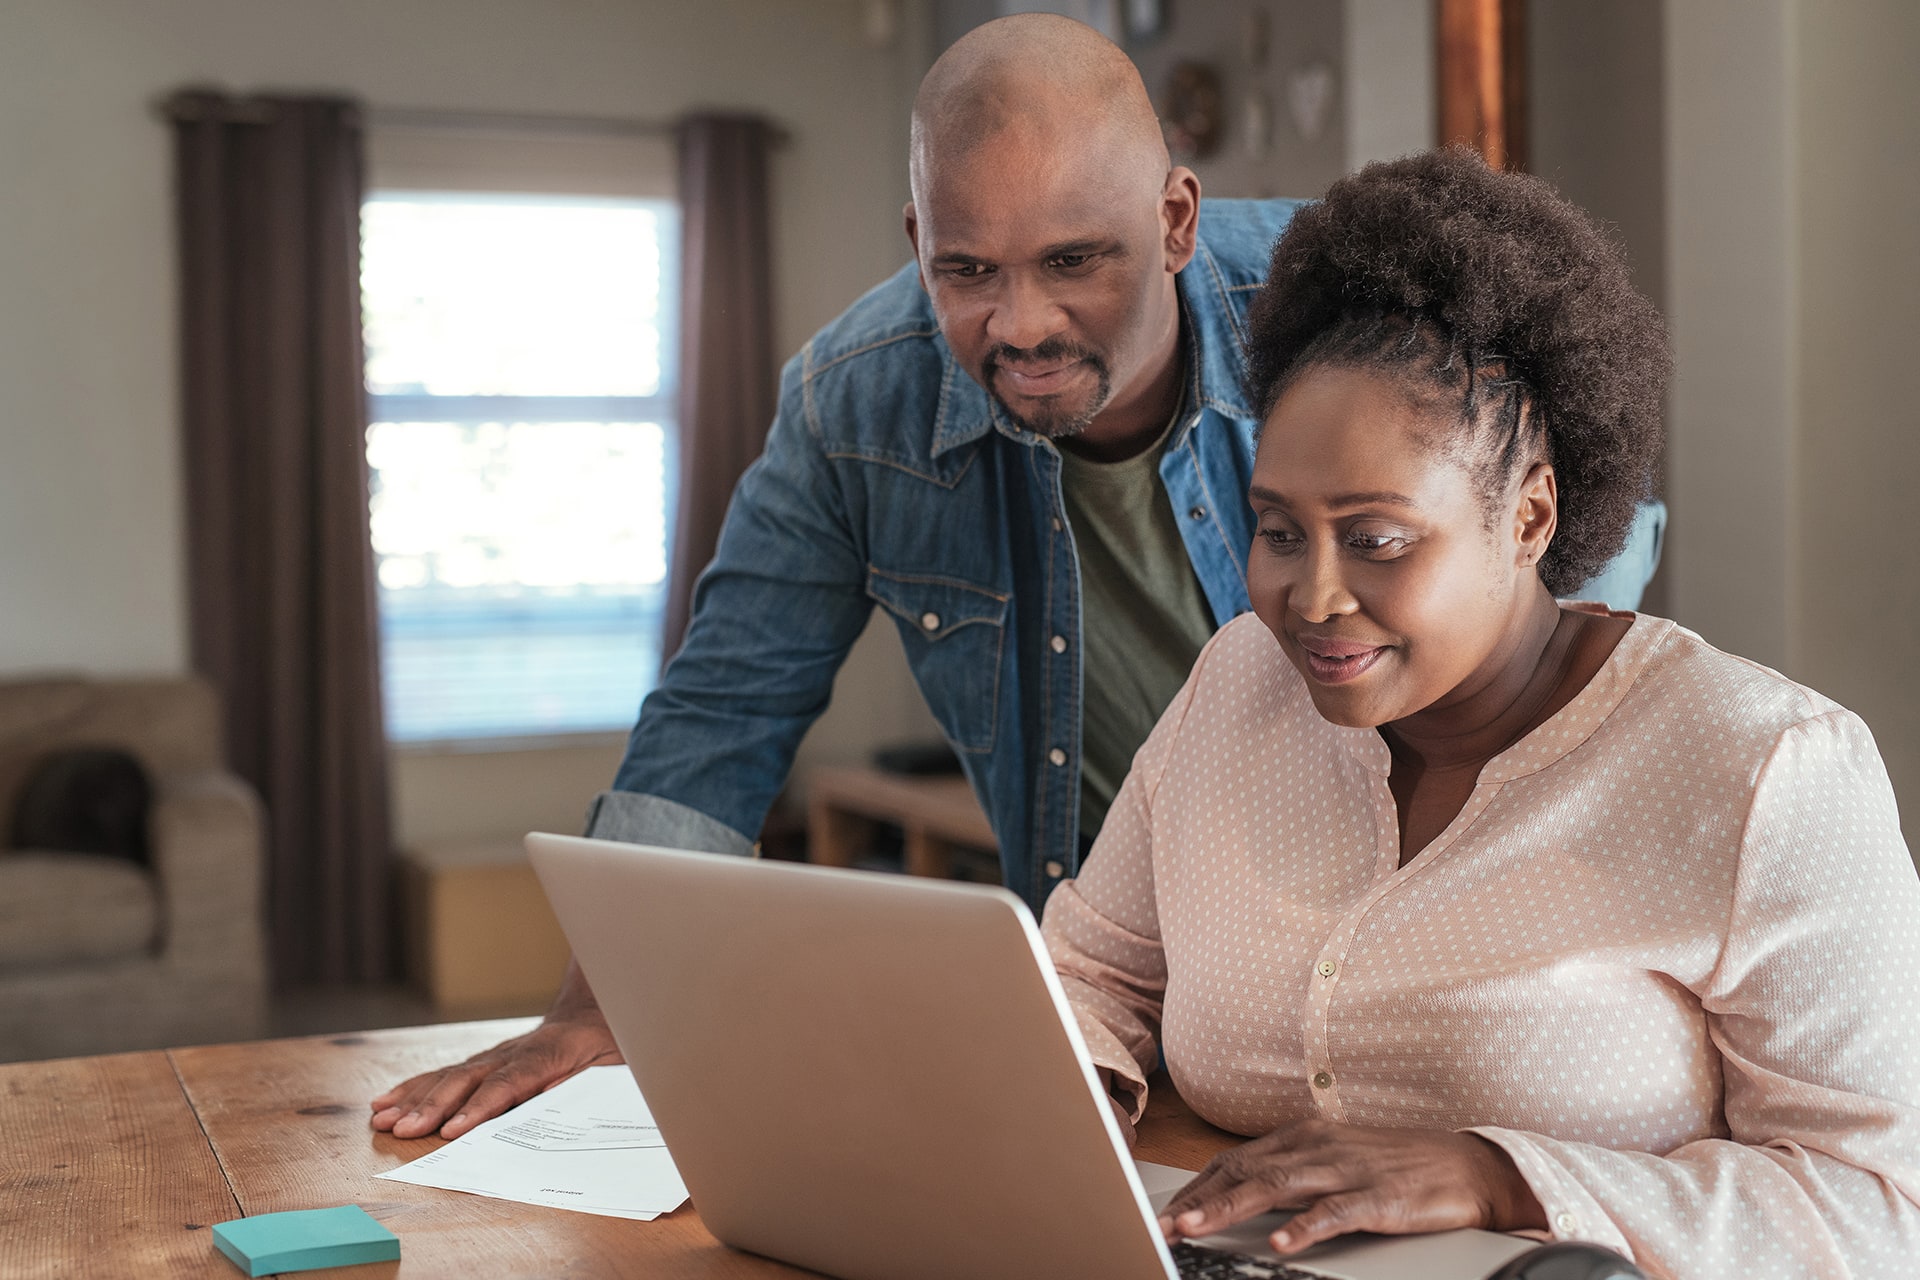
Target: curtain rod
{"x":207,"y":104}
{"x":523,"y":122}
{"x":515,"y":122}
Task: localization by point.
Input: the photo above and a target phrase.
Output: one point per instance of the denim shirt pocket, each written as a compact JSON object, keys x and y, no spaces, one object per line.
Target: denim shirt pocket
{"x":954,"y":633}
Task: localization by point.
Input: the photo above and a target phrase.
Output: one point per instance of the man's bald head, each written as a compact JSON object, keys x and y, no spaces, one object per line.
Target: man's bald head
{"x":1049,"y":229}
{"x":1044,"y":78}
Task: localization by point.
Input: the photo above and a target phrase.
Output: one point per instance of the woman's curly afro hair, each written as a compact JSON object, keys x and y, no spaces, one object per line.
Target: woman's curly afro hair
{"x":1491,"y":291}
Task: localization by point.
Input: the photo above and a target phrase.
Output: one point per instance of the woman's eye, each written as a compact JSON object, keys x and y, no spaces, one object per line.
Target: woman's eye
{"x":1279,"y":539}
{"x":1374,"y":543}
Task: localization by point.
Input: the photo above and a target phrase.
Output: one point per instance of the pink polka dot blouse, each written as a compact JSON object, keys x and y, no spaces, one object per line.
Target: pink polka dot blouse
{"x":1667,"y":956}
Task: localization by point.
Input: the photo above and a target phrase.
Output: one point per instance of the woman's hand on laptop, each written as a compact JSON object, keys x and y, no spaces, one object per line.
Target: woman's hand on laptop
{"x":1351,"y":1178}
{"x":573,"y":1037}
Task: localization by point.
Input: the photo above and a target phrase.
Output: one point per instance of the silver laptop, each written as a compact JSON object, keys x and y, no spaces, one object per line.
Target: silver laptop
{"x":878,"y":1077}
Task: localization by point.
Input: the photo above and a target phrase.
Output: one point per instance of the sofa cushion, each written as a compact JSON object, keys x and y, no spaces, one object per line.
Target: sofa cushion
{"x":68,"y":908}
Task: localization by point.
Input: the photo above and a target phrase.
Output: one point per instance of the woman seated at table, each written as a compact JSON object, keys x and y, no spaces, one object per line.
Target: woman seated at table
{"x":1487,"y":910}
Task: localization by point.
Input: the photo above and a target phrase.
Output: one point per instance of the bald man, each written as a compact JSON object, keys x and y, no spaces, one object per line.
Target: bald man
{"x":1030,"y":447}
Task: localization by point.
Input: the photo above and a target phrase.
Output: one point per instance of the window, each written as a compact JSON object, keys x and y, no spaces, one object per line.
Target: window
{"x":520,"y":375}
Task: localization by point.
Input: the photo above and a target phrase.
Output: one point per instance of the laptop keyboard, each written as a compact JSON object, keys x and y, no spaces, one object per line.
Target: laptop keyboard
{"x":1196,"y":1263}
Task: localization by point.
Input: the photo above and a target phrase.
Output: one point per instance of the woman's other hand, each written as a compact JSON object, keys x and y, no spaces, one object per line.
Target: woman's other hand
{"x":1350,"y":1178}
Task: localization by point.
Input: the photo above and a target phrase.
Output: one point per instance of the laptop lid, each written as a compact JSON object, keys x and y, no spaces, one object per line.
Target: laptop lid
{"x":876,"y":1076}
{"x":872,"y":1076}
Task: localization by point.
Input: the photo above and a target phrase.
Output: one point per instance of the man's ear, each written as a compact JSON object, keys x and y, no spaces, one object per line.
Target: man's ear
{"x":913,"y":238}
{"x":1536,"y":514}
{"x":1180,"y":217}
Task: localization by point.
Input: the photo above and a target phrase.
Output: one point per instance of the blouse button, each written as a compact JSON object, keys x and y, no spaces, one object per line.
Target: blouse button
{"x":1328,"y":968}
{"x":931,"y":621}
{"x":1566,"y":1224}
{"x":1323,"y":1080}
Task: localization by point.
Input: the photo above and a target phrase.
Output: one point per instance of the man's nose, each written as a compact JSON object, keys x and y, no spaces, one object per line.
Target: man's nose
{"x":1024,"y":315}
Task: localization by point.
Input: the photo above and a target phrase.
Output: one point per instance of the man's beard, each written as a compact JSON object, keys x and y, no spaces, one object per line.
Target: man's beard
{"x":1053,"y":424}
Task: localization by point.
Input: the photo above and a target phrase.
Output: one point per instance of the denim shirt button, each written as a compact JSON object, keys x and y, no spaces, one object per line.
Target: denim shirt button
{"x":931,"y":621}
{"x":1198,"y":513}
{"x":1057,"y":756}
{"x":1058,"y":644}
{"x":1055,"y":870}
{"x":1057,"y":526}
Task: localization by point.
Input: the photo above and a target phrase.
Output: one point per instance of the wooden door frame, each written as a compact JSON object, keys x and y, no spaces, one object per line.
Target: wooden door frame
{"x":1481,"y":74}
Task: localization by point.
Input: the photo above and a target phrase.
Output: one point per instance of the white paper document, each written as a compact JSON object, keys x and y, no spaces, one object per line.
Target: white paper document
{"x":588,"y":1144}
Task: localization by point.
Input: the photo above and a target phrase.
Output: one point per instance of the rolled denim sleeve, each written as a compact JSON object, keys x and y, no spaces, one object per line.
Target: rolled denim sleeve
{"x":633,"y":818}
{"x":773,"y":617}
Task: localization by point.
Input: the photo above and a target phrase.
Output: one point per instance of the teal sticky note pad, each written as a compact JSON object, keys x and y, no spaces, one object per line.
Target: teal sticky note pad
{"x":305,"y":1239}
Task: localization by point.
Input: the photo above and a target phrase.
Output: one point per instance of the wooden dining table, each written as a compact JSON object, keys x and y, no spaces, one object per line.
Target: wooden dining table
{"x":116,"y":1166}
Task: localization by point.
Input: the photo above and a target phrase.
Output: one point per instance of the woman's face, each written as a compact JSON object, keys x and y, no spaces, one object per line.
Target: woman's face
{"x":1373,"y":561}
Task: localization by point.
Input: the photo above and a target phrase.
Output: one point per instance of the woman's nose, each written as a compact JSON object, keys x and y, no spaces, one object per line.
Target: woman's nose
{"x":1320,"y":592}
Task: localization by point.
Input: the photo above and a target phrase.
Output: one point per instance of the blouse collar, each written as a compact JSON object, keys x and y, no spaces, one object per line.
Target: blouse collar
{"x":1566,"y":728}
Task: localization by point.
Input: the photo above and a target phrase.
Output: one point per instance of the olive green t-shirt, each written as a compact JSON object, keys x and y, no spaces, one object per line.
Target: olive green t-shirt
{"x":1143,"y":617}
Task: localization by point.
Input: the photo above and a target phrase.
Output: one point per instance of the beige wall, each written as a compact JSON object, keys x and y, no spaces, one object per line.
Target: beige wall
{"x":1596,"y":114}
{"x":1793,"y":259}
{"x":91,"y":572}
{"x":1389,"y":94}
{"x":1856,"y":613}
{"x":1730,"y":305}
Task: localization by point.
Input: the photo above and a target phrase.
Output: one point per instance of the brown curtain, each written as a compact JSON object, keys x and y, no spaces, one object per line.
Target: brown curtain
{"x":726,"y":336}
{"x":279,"y":551}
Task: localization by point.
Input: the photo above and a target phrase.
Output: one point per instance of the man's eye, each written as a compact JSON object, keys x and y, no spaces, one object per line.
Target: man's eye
{"x":967,"y":270}
{"x":1068,"y":261}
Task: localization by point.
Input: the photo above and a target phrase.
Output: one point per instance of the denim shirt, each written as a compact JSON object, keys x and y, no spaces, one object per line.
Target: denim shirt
{"x":891,"y":478}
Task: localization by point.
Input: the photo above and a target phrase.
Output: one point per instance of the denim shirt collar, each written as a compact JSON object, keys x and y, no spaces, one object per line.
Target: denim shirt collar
{"x":1215,"y":367}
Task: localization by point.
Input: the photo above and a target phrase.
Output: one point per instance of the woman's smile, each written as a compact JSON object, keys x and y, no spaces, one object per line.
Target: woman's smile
{"x":1337,"y":661}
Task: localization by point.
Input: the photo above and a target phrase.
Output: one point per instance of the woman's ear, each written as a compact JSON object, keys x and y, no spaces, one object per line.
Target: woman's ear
{"x":1536,"y":513}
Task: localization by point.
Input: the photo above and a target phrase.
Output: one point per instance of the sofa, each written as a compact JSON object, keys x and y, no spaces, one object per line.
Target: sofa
{"x":101,"y":953}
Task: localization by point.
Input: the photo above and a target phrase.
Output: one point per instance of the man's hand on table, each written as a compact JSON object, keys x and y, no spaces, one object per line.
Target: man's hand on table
{"x":1352,"y":1178}
{"x":573,"y":1037}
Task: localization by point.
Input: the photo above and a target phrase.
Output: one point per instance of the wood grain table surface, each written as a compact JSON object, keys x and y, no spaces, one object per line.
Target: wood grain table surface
{"x":116,"y":1166}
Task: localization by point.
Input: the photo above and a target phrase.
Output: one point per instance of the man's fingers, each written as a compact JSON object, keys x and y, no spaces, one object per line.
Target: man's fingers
{"x":391,"y":1098}
{"x":427,"y":1111}
{"x":1331,"y":1216}
{"x":455,"y":1099}
{"x":503,"y":1090}
{"x":409,"y":1106}
{"x":405,"y":1095}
